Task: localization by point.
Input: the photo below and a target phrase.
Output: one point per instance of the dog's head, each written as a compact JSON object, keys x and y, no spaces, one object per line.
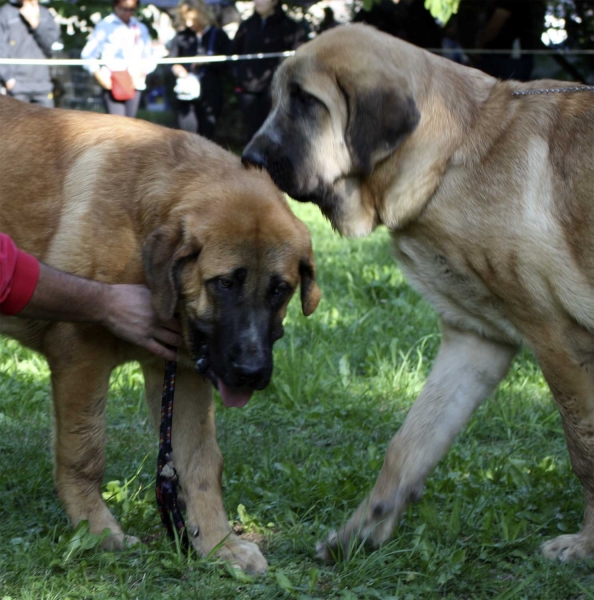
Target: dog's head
{"x":228,"y":261}
{"x":340,"y":107}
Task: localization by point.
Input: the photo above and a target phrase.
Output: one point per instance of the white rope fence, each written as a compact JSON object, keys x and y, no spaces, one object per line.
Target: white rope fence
{"x":514,"y":51}
{"x":236,"y":57}
{"x":55,"y":62}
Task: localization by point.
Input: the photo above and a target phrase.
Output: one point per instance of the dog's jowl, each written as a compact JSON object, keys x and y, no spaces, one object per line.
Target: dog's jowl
{"x":122,"y":201}
{"x":489,"y":196}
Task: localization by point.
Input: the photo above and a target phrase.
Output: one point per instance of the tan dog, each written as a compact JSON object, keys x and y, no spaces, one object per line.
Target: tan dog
{"x":490,"y":201}
{"x":122,"y":201}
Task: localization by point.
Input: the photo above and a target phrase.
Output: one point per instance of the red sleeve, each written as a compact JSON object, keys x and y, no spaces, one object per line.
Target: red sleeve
{"x":19,"y":274}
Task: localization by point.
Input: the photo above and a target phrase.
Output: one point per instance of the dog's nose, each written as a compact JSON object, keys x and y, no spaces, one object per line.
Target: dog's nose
{"x":249,"y":373}
{"x":254,"y":156}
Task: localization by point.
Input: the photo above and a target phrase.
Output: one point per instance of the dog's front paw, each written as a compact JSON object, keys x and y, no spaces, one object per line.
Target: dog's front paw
{"x":329,"y":551}
{"x":342,"y":544}
{"x":119,"y":541}
{"x":243,"y":555}
{"x":372,"y":524}
{"x":568,"y":548}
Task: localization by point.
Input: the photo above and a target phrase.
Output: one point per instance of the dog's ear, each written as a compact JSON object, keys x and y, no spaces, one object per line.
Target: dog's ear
{"x":163,"y":254}
{"x":310,"y":292}
{"x":381,"y":115}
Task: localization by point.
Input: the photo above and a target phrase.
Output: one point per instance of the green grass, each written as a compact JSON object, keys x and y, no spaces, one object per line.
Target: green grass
{"x":300,"y":457}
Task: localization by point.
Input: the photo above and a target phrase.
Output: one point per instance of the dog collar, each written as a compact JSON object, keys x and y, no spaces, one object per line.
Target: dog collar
{"x":562,"y":90}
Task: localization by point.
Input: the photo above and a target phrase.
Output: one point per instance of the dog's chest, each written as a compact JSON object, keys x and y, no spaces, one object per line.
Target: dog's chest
{"x":455,"y":291}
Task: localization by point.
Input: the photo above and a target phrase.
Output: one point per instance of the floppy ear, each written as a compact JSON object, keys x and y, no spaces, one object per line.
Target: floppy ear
{"x":381,"y":115}
{"x":310,"y":292}
{"x":163,"y":254}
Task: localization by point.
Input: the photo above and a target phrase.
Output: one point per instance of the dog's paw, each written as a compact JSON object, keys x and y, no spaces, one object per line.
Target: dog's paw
{"x":331,"y":550}
{"x":118,"y":541}
{"x":568,"y":548}
{"x":371,"y":525}
{"x":243,"y":555}
{"x":341,"y":545}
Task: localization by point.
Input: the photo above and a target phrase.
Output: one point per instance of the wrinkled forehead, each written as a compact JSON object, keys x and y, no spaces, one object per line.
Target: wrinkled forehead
{"x":260,"y":261}
{"x":263,"y":244}
{"x":296,"y":69}
{"x":286,"y":71}
{"x":315,"y":73}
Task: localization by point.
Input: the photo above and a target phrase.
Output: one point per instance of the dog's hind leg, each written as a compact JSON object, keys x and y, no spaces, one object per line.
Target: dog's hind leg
{"x":199,"y":464}
{"x":570,"y":375}
{"x":80,"y":380}
{"x":467,"y":369}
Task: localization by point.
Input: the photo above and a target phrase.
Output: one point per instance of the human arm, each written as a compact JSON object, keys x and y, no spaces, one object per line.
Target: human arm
{"x":6,"y":71}
{"x":103,"y":77}
{"x":174,"y":52}
{"x":179,"y":71}
{"x":34,"y":290}
{"x":223,"y":43}
{"x":495,"y":24}
{"x":238,"y":43}
{"x":238,"y":47}
{"x":220,"y":47}
{"x":43,"y":27}
{"x":126,"y":310}
{"x":93,"y":50}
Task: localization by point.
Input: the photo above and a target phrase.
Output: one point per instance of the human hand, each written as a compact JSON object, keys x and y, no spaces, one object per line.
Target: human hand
{"x":179,"y":71}
{"x":10,"y":84}
{"x":129,"y":314}
{"x":30,"y":12}
{"x":103,"y":77}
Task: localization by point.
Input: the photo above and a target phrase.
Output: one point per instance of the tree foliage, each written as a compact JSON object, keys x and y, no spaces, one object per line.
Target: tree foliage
{"x":578,"y":16}
{"x":442,"y":10}
{"x":76,"y":18}
{"x":579,"y":21}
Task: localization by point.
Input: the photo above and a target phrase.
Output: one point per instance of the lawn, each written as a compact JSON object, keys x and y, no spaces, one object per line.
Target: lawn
{"x":300,"y":457}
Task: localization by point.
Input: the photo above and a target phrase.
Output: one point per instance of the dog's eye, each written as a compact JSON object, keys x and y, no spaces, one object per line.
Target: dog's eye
{"x":282,"y":289}
{"x":307,"y":98}
{"x":224,"y":283}
{"x":303,"y":97}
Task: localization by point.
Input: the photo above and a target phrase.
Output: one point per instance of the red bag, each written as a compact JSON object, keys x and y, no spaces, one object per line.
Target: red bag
{"x":122,"y":86}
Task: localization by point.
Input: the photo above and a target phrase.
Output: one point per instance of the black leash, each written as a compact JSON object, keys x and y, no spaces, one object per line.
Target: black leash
{"x":167,"y":479}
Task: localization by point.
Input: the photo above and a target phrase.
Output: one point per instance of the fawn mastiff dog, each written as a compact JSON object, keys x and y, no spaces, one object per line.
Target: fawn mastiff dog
{"x":489,"y":197}
{"x":123,"y":201}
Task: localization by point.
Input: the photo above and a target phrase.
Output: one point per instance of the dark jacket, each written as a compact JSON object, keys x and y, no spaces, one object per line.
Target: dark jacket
{"x":213,"y":42}
{"x":409,"y":21}
{"x":276,"y":33}
{"x":19,"y":40}
{"x":525,"y":23}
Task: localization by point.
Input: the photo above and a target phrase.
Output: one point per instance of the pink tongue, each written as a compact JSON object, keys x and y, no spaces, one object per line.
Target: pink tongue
{"x":233,"y":396}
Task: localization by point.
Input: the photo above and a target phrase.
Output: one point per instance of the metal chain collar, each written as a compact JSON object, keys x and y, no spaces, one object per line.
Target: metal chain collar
{"x":563,"y":90}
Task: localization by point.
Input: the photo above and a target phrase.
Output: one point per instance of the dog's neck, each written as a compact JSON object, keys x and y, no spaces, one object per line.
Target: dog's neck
{"x":450,"y":98}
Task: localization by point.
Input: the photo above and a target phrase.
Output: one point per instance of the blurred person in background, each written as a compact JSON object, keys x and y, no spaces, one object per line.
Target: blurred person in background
{"x":269,"y":29}
{"x":406,"y":19}
{"x":27,"y":30}
{"x":198,"y":105}
{"x":226,"y":15}
{"x":125,"y":45}
{"x":229,"y":17}
{"x":513,"y":26}
{"x":328,"y":22}
{"x":450,"y":43}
